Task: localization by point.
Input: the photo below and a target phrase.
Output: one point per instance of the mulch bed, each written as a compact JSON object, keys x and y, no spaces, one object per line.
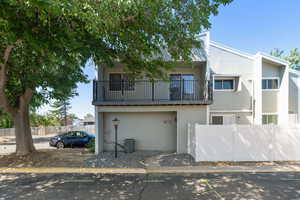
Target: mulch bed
{"x":47,"y":158}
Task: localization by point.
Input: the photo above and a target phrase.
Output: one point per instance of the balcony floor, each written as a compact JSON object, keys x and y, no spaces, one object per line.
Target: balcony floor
{"x":151,"y":103}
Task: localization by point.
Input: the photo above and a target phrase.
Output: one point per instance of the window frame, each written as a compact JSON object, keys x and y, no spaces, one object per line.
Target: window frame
{"x":270,"y":78}
{"x":123,"y":87}
{"x":223,"y":115}
{"x":269,"y":114}
{"x":224,"y":79}
{"x":216,"y":115}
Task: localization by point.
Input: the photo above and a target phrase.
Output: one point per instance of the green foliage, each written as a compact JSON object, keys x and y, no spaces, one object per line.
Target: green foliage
{"x":37,"y":120}
{"x":88,"y":116}
{"x":53,"y":39}
{"x":72,"y":116}
{"x":293,"y":57}
{"x":61,"y":109}
{"x":91,"y":146}
{"x":5,"y":120}
{"x":277,"y":53}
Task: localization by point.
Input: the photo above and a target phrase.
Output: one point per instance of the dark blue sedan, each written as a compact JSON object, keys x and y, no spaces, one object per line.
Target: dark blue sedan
{"x":71,"y":139}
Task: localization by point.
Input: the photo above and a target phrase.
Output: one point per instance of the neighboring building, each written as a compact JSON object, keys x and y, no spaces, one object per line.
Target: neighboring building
{"x":225,"y":86}
{"x":86,"y":122}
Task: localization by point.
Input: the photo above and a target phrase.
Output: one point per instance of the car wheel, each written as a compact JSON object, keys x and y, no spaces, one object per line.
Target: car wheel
{"x":60,"y":145}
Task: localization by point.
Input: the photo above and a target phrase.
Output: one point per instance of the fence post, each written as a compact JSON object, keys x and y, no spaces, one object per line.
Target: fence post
{"x":189,"y":138}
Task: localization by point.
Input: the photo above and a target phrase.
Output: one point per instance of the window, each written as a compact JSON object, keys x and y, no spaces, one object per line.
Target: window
{"x":217,"y":120}
{"x":269,"y":119}
{"x":226,"y":84}
{"x":118,"y":82}
{"x":70,"y":134}
{"x":221,"y":119}
{"x":182,"y":86}
{"x":269,"y":84}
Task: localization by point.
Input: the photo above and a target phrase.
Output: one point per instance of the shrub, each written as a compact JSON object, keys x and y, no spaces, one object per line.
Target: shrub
{"x":91,"y":146}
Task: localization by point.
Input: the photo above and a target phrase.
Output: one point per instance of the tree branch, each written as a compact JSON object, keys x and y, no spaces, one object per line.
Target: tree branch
{"x":4,"y":103}
{"x":3,"y":77}
{"x":130,"y":18}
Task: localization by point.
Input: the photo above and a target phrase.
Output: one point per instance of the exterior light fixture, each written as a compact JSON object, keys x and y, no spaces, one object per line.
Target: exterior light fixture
{"x":116,"y":123}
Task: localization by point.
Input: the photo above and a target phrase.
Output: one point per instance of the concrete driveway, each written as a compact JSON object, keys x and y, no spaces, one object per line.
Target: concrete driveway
{"x":8,"y":144}
{"x":148,"y":187}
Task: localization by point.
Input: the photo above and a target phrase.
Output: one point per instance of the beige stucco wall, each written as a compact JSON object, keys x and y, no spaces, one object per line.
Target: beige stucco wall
{"x":228,"y":63}
{"x":143,"y":89}
{"x":240,"y":117}
{"x":269,"y":101}
{"x":270,"y":97}
{"x":270,"y":70}
{"x":185,"y":115}
{"x":151,"y":130}
{"x":144,"y":114}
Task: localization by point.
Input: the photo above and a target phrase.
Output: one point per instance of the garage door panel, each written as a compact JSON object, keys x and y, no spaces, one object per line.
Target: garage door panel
{"x":152,"y":131}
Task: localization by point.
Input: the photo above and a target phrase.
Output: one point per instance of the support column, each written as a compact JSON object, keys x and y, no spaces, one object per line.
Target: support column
{"x":99,"y":145}
{"x":298,"y":99}
{"x":258,"y":89}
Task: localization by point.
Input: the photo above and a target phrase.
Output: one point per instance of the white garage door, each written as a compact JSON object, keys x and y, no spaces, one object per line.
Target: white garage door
{"x":151,"y":130}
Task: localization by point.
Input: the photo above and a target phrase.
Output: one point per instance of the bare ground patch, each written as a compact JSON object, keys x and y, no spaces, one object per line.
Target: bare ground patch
{"x":47,"y":158}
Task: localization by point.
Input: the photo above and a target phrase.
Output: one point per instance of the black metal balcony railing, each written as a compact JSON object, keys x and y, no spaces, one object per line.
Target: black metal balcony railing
{"x":143,"y":92}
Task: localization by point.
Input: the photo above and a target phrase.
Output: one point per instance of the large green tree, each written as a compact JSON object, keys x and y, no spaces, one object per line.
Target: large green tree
{"x":60,"y":108}
{"x":293,"y":57}
{"x":45,"y":43}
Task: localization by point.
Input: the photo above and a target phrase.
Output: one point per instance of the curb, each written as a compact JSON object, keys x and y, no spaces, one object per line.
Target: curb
{"x":74,"y":170}
{"x":134,"y":171}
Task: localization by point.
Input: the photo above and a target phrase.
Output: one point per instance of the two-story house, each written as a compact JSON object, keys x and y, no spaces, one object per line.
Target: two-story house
{"x":224,"y":86}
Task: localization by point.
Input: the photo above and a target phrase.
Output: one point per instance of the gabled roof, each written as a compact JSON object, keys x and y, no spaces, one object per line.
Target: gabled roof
{"x":249,"y":56}
{"x":273,"y":58}
{"x":231,"y":50}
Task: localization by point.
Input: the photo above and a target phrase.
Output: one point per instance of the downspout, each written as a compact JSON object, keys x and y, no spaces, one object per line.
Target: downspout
{"x":253,"y":102}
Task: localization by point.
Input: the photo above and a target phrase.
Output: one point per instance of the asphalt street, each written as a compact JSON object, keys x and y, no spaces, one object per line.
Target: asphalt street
{"x":150,"y":187}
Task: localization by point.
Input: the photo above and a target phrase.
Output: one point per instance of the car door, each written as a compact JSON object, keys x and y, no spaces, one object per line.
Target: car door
{"x":68,"y":138}
{"x":85,"y":138}
{"x":80,"y":138}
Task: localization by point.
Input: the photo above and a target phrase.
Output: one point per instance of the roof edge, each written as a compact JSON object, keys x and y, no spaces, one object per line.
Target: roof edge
{"x":232,"y":50}
{"x":273,"y":58}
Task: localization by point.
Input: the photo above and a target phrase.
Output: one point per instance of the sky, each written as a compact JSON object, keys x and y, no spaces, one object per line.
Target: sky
{"x":246,"y":25}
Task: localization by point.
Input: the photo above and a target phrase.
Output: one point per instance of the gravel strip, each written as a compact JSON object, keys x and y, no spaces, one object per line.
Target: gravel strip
{"x":124,"y":160}
{"x":176,"y":160}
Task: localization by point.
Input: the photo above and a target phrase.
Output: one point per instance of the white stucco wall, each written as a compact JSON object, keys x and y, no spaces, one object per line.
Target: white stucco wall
{"x":293,"y":93}
{"x":270,"y":98}
{"x":223,"y":62}
{"x":247,"y":143}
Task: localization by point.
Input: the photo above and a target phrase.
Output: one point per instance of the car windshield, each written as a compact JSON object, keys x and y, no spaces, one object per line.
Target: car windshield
{"x":88,"y":134}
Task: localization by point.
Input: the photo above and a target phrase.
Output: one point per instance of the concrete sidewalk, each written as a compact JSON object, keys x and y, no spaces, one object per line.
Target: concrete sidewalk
{"x":160,"y":170}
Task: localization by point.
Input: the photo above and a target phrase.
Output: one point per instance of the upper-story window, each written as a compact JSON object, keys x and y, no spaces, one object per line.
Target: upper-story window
{"x":182,"y":86}
{"x":120,"y":81}
{"x":224,"y":84}
{"x":270,"y":83}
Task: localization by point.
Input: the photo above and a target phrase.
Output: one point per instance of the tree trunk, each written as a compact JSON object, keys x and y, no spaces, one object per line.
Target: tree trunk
{"x":24,"y":142}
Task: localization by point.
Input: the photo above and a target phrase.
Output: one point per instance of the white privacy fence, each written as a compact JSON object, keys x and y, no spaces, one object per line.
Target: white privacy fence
{"x":244,"y":142}
{"x":50,"y":130}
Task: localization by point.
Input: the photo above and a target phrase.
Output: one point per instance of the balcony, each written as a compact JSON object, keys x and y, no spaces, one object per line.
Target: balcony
{"x":145,"y":92}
